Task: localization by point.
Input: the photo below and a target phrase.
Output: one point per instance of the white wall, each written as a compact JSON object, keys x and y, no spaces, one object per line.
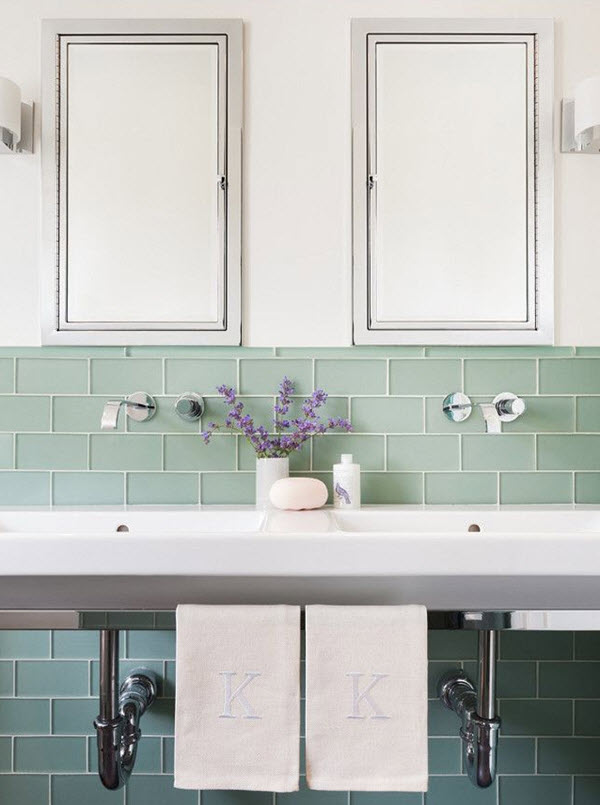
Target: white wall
{"x":297,"y":246}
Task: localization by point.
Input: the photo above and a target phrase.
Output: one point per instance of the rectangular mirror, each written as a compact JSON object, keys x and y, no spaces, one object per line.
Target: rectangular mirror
{"x":452,"y":181}
{"x":142,"y":123}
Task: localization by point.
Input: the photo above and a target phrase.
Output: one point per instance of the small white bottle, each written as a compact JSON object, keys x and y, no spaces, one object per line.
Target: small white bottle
{"x":346,"y":483}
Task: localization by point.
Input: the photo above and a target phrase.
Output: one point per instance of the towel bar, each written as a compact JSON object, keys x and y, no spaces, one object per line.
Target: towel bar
{"x":121,"y":708}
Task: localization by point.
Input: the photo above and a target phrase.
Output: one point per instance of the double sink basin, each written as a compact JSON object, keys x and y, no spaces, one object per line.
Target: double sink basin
{"x":444,"y":557}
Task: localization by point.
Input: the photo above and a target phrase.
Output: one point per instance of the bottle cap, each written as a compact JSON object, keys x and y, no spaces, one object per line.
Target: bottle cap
{"x":346,"y":458}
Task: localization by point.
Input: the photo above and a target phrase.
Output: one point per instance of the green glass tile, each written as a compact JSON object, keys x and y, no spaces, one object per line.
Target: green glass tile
{"x":52,"y":376}
{"x":536,"y":717}
{"x":435,"y":670}
{"x":227,"y":487}
{"x":437,"y":422}
{"x":24,"y":488}
{"x":169,"y":679}
{"x":452,"y":644}
{"x":80,"y":414}
{"x":168,"y":755}
{"x":87,"y":488}
{"x":307,"y":797}
{"x":514,"y":679}
{"x":74,"y":789}
{"x":498,"y":452}
{"x":367,"y":451}
{"x":460,"y":487}
{"x":351,"y":376}
{"x":425,"y":376}
{"x":587,"y":487}
{"x":165,"y":420}
{"x":162,"y":487}
{"x":586,"y":791}
{"x":333,"y":407}
{"x":24,"y":716}
{"x":387,"y":415}
{"x":6,"y":678}
{"x":54,"y":754}
{"x":74,"y":716}
{"x":527,"y":790}
{"x":444,"y":755}
{"x":587,"y":715}
{"x":53,"y":451}
{"x":130,"y":620}
{"x":569,"y":755}
{"x":264,"y":376}
{"x":237,"y":798}
{"x":125,"y":451}
{"x":201,"y":376}
{"x":391,"y":487}
{"x":24,"y":644}
{"x":7,"y":374}
{"x":544,"y":414}
{"x":588,"y":413}
{"x":6,"y":450}
{"x":570,"y":376}
{"x":52,"y":678}
{"x":423,"y":452}
{"x":190,"y":453}
{"x":587,"y":350}
{"x":74,"y":645}
{"x":22,"y":413}
{"x":152,"y":789}
{"x":498,"y":352}
{"x":385,"y":798}
{"x":62,"y":352}
{"x":536,"y":487}
{"x":160,"y":719}
{"x":152,"y":644}
{"x":125,"y":668}
{"x":349,"y":352}
{"x":459,"y":791}
{"x":579,"y":680}
{"x":5,"y":754}
{"x":516,"y":755}
{"x":587,"y":646}
{"x":125,"y":375}
{"x":491,"y":376}
{"x":24,"y":789}
{"x":199,"y":352}
{"x":573,"y":452}
{"x":531,"y":645}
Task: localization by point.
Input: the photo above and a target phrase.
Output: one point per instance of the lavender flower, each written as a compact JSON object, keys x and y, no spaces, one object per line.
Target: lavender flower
{"x":289,"y":435}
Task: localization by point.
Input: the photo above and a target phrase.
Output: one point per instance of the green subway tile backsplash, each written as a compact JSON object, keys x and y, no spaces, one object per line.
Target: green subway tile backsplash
{"x":52,"y":450}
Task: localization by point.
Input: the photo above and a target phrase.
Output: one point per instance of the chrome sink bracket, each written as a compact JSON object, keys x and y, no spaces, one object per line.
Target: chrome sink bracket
{"x":118,"y":723}
{"x":476,"y":709}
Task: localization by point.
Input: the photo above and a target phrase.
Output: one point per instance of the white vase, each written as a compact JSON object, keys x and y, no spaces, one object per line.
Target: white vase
{"x":269,"y":470}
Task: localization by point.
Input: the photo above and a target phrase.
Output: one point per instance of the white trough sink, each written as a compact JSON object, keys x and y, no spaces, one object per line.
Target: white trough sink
{"x":154,"y":558}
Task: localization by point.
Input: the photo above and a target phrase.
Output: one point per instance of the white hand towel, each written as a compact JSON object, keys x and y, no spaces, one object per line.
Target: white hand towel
{"x":237,"y":708}
{"x":366,"y":698}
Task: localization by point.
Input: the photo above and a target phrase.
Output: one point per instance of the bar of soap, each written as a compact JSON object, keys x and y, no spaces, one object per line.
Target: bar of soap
{"x":298,"y":493}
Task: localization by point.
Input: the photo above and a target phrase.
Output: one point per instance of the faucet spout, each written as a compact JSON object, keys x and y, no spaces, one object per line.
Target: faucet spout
{"x":491,"y":418}
{"x":139,"y":406}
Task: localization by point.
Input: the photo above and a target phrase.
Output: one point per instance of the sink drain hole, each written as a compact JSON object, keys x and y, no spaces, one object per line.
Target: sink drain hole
{"x":474,"y":527}
{"x":125,"y":528}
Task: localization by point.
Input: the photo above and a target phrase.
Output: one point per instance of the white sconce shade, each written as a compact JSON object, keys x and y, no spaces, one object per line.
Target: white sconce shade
{"x":16,"y":120}
{"x":10,"y":108}
{"x":581,"y":118}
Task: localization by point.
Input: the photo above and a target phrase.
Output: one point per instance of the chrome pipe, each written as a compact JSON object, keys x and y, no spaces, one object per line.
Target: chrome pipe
{"x":117,"y":726}
{"x":476,"y":710}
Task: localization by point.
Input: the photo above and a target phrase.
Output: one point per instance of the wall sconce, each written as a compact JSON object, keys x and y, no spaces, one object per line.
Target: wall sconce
{"x":581,"y":119}
{"x":16,"y":120}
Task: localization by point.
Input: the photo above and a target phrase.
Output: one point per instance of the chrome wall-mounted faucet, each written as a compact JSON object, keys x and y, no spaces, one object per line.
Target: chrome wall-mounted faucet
{"x":139,"y":406}
{"x":505,"y":407}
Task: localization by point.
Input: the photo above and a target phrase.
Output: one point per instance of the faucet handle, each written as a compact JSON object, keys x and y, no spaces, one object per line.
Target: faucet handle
{"x":509,"y":406}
